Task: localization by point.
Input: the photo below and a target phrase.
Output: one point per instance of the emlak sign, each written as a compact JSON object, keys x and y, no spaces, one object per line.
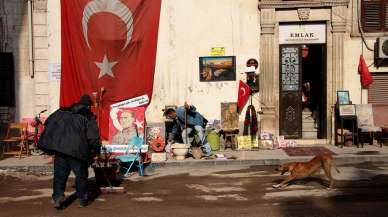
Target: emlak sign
{"x":302,"y":33}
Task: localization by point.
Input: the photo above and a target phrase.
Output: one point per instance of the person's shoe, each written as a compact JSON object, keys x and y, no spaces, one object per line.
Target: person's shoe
{"x":59,"y":203}
{"x":83,"y":204}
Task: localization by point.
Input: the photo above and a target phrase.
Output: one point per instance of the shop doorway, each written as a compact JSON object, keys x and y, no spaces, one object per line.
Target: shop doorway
{"x":302,"y":100}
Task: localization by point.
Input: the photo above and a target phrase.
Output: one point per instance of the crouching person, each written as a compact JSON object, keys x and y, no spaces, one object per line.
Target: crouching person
{"x":72,"y":135}
{"x":187,"y":116}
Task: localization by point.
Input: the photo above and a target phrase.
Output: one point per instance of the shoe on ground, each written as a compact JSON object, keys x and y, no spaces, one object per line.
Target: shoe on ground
{"x":59,"y":204}
{"x":83,"y":204}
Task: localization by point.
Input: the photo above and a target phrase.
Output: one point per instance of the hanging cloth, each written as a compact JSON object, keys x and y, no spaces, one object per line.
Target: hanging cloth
{"x":365,"y":76}
{"x":250,"y":121}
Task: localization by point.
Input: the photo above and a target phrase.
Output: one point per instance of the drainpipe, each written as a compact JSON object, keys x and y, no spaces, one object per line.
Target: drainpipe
{"x":30,"y":40}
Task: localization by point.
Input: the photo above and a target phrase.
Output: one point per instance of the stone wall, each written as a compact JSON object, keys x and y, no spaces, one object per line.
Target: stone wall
{"x":30,"y":87}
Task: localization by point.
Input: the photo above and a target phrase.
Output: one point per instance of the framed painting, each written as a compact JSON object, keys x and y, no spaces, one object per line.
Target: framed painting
{"x":347,"y":110}
{"x":217,"y":68}
{"x":229,"y":116}
{"x":343,"y":97}
{"x":155,"y":131}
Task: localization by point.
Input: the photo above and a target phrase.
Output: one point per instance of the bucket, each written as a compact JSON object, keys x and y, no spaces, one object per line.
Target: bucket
{"x":104,"y":173}
{"x":214,"y":140}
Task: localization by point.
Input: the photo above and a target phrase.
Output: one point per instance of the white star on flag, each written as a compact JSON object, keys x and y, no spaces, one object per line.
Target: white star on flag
{"x":105,"y":67}
{"x":138,"y":124}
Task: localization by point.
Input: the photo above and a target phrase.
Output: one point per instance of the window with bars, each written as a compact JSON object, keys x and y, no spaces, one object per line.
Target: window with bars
{"x":378,"y":90}
{"x":374,"y":15}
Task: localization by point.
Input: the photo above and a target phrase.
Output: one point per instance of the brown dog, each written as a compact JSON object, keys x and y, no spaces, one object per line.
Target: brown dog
{"x":300,"y":170}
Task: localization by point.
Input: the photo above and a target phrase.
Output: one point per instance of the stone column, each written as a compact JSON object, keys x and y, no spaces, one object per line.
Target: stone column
{"x":338,"y":23}
{"x":42,"y":88}
{"x":267,"y":66}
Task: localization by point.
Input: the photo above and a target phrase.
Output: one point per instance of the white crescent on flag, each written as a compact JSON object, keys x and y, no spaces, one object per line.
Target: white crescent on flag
{"x":115,"y":7}
{"x":243,"y":91}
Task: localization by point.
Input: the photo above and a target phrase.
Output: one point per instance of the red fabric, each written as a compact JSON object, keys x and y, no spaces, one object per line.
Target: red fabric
{"x":244,"y":92}
{"x":366,"y":77}
{"x":93,"y":30}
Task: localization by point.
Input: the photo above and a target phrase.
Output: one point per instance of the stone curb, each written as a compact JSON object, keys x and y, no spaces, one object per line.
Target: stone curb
{"x":340,"y":160}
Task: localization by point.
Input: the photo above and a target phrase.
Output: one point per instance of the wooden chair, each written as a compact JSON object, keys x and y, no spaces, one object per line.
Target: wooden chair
{"x":16,"y":133}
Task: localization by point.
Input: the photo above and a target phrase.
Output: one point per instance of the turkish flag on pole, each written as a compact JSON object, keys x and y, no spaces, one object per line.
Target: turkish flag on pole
{"x":366,"y":77}
{"x":244,"y":92}
{"x":110,"y":45}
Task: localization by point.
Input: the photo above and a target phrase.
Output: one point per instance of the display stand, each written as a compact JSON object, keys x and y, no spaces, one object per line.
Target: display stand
{"x":342,"y":122}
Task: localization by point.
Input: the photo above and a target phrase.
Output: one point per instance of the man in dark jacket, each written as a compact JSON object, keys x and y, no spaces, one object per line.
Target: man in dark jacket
{"x":72,"y":135}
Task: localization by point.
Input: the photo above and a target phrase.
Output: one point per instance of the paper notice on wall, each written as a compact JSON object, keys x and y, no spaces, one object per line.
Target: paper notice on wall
{"x":217,"y":51}
{"x":54,"y":70}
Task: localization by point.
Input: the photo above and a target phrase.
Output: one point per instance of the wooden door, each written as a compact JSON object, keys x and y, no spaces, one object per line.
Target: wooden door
{"x":290,"y":114}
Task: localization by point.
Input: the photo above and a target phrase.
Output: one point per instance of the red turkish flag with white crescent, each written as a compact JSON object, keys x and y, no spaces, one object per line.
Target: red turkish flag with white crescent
{"x":244,"y":92}
{"x":110,"y":45}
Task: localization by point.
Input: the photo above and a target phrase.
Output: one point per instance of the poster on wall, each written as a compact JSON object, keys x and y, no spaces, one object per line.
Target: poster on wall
{"x":217,"y":68}
{"x":229,"y":116}
{"x":123,"y":124}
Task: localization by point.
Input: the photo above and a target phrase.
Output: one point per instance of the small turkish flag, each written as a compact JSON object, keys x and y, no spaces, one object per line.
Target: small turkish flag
{"x":244,"y":91}
{"x":366,"y":77}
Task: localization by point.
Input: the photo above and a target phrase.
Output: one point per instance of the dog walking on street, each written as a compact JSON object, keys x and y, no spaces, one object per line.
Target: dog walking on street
{"x":299,"y":170}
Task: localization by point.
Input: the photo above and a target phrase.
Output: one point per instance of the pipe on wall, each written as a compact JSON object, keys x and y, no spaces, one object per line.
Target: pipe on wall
{"x":30,"y":40}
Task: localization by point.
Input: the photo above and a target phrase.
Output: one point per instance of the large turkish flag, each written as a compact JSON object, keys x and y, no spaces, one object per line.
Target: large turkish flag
{"x":109,"y":44}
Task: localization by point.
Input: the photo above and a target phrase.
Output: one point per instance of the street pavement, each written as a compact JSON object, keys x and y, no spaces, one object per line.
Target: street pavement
{"x":216,"y":191}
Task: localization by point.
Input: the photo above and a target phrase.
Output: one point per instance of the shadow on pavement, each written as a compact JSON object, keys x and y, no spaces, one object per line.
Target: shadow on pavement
{"x":348,"y":198}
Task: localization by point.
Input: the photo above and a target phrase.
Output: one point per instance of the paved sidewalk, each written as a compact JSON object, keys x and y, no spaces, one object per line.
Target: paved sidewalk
{"x":345,"y":155}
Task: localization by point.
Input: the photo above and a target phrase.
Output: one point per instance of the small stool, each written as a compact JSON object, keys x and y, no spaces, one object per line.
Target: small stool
{"x":230,"y":139}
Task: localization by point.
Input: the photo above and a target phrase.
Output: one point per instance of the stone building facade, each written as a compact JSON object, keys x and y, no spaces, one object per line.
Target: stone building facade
{"x":188,"y":30}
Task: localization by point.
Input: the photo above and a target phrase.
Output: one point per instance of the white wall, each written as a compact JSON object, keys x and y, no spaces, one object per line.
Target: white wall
{"x":189,"y":29}
{"x":351,"y":76}
{"x":54,"y":48}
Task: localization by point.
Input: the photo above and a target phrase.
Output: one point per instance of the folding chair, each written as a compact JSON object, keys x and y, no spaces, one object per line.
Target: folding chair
{"x":366,"y":127}
{"x":133,"y":155}
{"x":16,"y":133}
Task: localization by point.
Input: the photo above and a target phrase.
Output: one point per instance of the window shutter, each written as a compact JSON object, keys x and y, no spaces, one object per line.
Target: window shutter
{"x":385,"y":15}
{"x":378,"y":90}
{"x":371,"y":15}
